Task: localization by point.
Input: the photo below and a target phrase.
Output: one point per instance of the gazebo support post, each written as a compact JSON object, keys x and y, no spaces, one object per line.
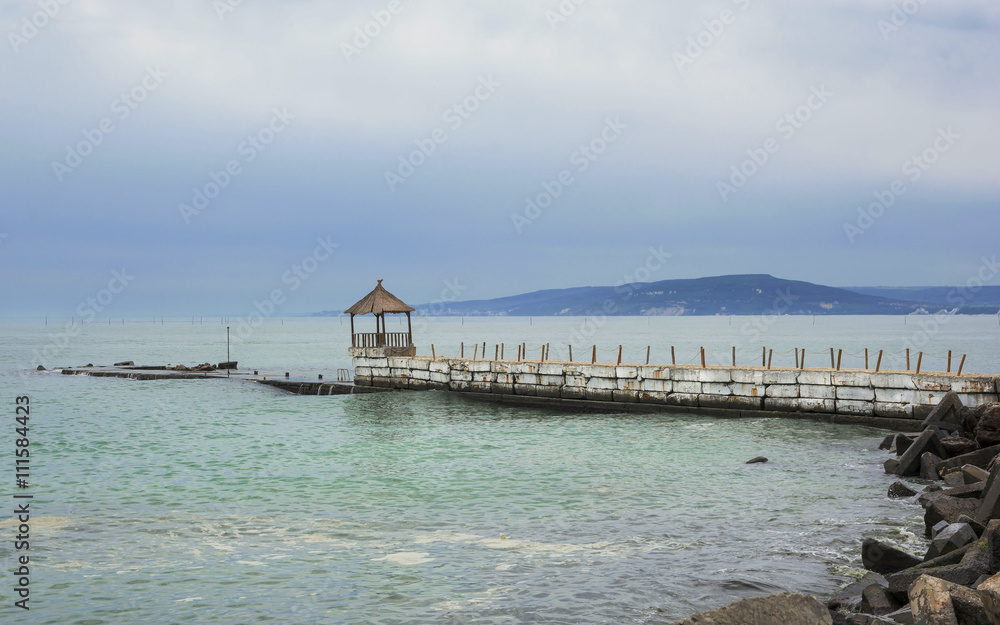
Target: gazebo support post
{"x":352,"y":332}
{"x":409,"y":330}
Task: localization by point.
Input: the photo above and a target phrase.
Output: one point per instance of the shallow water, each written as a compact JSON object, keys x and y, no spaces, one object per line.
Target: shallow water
{"x":228,"y":502}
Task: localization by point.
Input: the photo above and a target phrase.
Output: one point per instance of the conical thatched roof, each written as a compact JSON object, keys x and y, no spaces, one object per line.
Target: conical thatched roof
{"x":379,"y":302}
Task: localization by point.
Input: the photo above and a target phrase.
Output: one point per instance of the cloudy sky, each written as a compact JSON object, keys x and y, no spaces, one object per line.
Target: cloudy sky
{"x":216,"y":152}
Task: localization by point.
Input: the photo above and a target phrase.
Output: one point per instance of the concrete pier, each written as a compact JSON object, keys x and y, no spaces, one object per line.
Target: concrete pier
{"x":889,"y":399}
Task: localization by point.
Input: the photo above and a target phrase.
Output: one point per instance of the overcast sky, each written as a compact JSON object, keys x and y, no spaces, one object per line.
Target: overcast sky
{"x":203,"y":150}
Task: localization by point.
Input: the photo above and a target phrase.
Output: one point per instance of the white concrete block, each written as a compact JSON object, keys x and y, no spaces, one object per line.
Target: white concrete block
{"x":526,"y":378}
{"x":397,"y":362}
{"x":500,"y":366}
{"x":576,"y":381}
{"x":420,"y":374}
{"x":815,"y":378}
{"x":716,"y":388}
{"x":362,"y":372}
{"x":748,"y":390}
{"x":780,"y":376}
{"x":548,"y":368}
{"x":551,"y":380}
{"x":399,"y":373}
{"x":855,"y":407}
{"x":858,"y":393}
{"x":656,"y":385}
{"x":480,"y":365}
{"x":748,"y":376}
{"x":437,"y":376}
{"x":893,"y":380}
{"x":656,"y":372}
{"x":628,"y":384}
{"x":381,"y":372}
{"x":893,"y":410}
{"x":896,"y":396}
{"x":974,"y":400}
{"x":817,"y":391}
{"x":524,"y":367}
{"x":458,"y":375}
{"x":422,"y":364}
{"x":685,"y":374}
{"x":440,"y":366}
{"x":504,"y":378}
{"x":782,"y":390}
{"x":687,"y":387}
{"x":626,"y":372}
{"x":852,"y":378}
{"x":610,"y":384}
{"x":723,"y":376}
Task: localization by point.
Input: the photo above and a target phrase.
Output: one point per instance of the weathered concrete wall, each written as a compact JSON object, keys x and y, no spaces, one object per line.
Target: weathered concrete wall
{"x":889,"y":395}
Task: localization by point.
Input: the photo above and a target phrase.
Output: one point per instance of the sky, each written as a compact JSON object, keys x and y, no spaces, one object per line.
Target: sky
{"x":204,"y":157}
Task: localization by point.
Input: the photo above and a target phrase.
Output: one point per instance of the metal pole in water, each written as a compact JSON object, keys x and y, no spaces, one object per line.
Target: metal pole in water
{"x":227,"y":351}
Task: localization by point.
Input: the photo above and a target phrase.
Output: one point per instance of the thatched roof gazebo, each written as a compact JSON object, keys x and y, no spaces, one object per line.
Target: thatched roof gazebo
{"x":379,"y":302}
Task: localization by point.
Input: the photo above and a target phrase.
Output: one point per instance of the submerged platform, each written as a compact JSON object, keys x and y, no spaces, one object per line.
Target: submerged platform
{"x":292,"y":384}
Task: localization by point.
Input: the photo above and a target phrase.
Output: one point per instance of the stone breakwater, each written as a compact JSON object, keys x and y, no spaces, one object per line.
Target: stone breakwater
{"x":890,"y":399}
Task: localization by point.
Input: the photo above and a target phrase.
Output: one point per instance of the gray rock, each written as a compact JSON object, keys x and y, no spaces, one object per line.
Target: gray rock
{"x":955,"y":478}
{"x":931,"y":601}
{"x":849,"y":598}
{"x":902,"y":442}
{"x":972,"y":474}
{"x":125,"y":363}
{"x":928,"y":464}
{"x":780,"y":609}
{"x":990,"y":506}
{"x":891,"y":466}
{"x":948,"y":410}
{"x":949,"y":539}
{"x":888,"y":441}
{"x":876,"y":600}
{"x":980,"y":458}
{"x":757,"y":460}
{"x":939,"y":527}
{"x":909,"y":462}
{"x":988,"y":430}
{"x":958,"y":445}
{"x":885,"y":558}
{"x":940,"y":506}
{"x":977,"y":527}
{"x":899,"y":490}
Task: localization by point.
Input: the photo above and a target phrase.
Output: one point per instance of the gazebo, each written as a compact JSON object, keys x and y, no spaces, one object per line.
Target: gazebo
{"x":379,"y":302}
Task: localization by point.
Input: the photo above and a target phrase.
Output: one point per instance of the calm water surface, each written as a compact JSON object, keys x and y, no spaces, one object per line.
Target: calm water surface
{"x":227,"y":502}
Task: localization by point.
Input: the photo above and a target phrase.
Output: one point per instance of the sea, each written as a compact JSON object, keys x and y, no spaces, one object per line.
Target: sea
{"x":224,"y":501}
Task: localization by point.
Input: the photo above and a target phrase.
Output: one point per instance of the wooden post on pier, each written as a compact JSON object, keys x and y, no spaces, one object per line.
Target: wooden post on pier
{"x":770,"y":355}
{"x":433,"y":354}
{"x":647,"y":353}
{"x":619,"y":354}
{"x":920,"y":360}
{"x":734,"y":355}
{"x":763,"y":356}
{"x":462,"y":354}
{"x":832,"y":362}
{"x":475,"y":351}
{"x":802,"y":361}
{"x":840,"y":354}
{"x":702,"y":357}
{"x":543,"y":354}
{"x":949,"y":361}
{"x":593,"y":357}
{"x":961,"y":365}
{"x":547,"y":355}
{"x":673,"y":358}
{"x":796,"y":357}
{"x":866,"y":359}
{"x":496,"y":352}
{"x":878,"y":365}
{"x":907,"y":358}
{"x":501,"y":351}
{"x":571,"y":353}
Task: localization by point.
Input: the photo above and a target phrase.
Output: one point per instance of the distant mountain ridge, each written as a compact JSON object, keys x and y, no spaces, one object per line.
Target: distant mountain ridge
{"x":745,"y":294}
{"x":753,"y":294}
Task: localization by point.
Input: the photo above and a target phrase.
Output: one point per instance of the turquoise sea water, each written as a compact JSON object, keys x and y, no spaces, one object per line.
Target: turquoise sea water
{"x":228,"y":502}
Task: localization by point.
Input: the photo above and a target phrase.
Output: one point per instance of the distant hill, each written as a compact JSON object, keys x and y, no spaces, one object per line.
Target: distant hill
{"x":755,"y":294}
{"x":984,"y":301}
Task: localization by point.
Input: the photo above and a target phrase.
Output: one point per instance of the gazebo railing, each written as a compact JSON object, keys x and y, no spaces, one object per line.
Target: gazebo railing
{"x":381,"y":339}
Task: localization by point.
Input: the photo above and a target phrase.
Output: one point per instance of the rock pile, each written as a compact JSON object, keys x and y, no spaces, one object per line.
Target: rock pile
{"x":956,"y":581}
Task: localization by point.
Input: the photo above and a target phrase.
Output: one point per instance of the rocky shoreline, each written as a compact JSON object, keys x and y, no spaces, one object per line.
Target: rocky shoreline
{"x":957,"y":581}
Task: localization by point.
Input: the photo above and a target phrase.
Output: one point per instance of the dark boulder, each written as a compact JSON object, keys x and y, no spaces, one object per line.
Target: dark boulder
{"x":980,"y":458}
{"x":938,"y":507}
{"x":125,"y":363}
{"x":988,"y":429}
{"x":885,"y":558}
{"x":950,"y":538}
{"x":780,"y":609}
{"x":958,"y":445}
{"x":757,"y":460}
{"x":972,"y":474}
{"x":891,"y":466}
{"x":849,"y":598}
{"x":948,"y":410}
{"x":928,"y":466}
{"x":875,"y":600}
{"x":899,"y":490}
{"x":909,"y":462}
